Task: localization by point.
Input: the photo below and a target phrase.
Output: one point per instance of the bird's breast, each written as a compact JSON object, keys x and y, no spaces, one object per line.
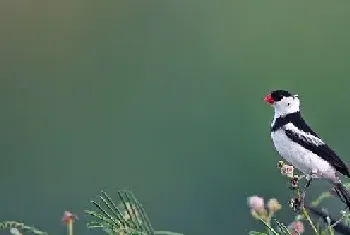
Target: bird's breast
{"x":298,"y":156}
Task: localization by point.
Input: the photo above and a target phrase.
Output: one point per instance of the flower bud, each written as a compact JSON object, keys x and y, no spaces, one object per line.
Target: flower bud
{"x":256,"y":203}
{"x":296,"y":227}
{"x":273,"y":205}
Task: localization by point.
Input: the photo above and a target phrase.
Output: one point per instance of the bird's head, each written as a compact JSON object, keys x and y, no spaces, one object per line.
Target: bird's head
{"x":283,"y":102}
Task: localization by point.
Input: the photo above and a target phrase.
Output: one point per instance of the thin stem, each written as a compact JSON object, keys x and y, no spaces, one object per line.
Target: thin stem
{"x":166,"y":233}
{"x":70,"y":227}
{"x":269,"y":217}
{"x":306,"y":215}
{"x":309,"y":220}
{"x":269,"y":227}
{"x":268,"y":220}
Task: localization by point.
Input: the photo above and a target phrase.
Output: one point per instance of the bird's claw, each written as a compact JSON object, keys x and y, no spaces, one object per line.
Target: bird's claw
{"x":309,"y":178}
{"x":307,"y":185}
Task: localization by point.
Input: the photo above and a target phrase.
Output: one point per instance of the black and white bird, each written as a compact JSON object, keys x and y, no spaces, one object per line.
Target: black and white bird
{"x":298,"y":144}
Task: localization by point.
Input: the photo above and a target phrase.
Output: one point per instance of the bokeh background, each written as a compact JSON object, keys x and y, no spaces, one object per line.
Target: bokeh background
{"x":164,"y":98}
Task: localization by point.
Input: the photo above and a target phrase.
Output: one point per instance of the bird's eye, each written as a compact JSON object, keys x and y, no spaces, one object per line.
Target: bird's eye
{"x":288,"y":104}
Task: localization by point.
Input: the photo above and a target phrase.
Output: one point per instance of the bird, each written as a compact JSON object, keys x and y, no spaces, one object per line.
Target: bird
{"x":302,"y":147}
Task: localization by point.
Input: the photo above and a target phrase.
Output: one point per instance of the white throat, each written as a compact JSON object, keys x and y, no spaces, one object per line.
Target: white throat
{"x":284,"y":112}
{"x":286,"y":106}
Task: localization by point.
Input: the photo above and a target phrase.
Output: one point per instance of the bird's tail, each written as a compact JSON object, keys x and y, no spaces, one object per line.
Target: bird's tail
{"x":343,"y":193}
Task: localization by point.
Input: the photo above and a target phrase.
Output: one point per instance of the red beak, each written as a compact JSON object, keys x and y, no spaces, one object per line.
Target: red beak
{"x":269,"y":99}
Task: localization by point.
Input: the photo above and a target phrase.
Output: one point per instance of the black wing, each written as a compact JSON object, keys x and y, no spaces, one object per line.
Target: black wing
{"x":312,"y":142}
{"x":296,"y":119}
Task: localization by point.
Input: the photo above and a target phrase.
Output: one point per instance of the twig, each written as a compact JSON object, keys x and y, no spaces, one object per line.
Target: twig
{"x":306,"y":215}
{"x":337,"y":225}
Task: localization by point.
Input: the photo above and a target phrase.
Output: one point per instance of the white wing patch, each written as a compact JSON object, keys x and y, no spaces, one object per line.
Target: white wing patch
{"x":307,"y":137}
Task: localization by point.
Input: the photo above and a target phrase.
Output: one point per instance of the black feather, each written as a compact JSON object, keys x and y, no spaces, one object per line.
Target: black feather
{"x":278,"y":95}
{"x":322,"y":150}
{"x":343,"y":193}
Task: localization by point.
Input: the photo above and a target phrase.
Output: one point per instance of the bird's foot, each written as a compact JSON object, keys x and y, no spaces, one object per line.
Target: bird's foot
{"x":296,"y":179}
{"x":297,"y":203}
{"x":309,"y":178}
{"x":308,"y":183}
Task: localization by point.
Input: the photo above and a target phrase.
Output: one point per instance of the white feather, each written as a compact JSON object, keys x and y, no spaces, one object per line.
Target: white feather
{"x":300,"y":157}
{"x":285,"y":106}
{"x":303,"y":135}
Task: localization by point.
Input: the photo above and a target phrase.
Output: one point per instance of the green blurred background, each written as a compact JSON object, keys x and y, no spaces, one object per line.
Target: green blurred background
{"x":164,"y":98}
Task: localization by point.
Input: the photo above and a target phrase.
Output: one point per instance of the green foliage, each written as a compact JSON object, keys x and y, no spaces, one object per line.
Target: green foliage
{"x":128,"y":217}
{"x":125,"y":218}
{"x":256,"y":233}
{"x":269,"y":227}
{"x":283,"y":229}
{"x":20,"y":227}
{"x":327,"y":225}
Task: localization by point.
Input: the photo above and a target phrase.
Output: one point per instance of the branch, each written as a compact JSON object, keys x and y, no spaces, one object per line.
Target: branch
{"x":338,"y":226}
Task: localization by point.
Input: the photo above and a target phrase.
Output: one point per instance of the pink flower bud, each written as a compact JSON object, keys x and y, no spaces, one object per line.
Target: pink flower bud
{"x":296,"y":227}
{"x":69,"y":217}
{"x":256,"y":203}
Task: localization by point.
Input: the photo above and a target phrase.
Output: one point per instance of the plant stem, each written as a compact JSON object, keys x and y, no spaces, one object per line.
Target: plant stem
{"x":309,"y":220}
{"x":70,"y":227}
{"x":306,"y":215}
{"x":268,"y":221}
{"x":270,"y":228}
{"x":166,"y":233}
{"x":268,"y":217}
